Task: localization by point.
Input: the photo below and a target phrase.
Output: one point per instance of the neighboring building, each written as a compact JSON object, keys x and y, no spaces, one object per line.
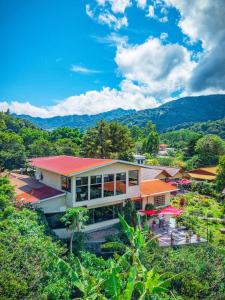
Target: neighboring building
{"x":208,"y":173}
{"x":139,"y":159}
{"x":164,"y":150}
{"x":148,"y":173}
{"x":156,"y":192}
{"x":174,"y":173}
{"x":101,"y":185}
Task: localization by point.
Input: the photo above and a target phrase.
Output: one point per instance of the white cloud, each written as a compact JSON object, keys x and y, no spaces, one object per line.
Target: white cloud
{"x":163,"y":36}
{"x":112,"y":21}
{"x":119,"y":6}
{"x":141,"y":3}
{"x":91,"y":102}
{"x":154,"y":68}
{"x":89,"y":12}
{"x":204,"y":20}
{"x":83,"y":70}
{"x":113,"y":39}
{"x":151,"y":12}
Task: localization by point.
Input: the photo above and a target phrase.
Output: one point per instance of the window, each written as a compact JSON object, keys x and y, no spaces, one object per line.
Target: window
{"x":159,"y":200}
{"x":96,"y":187}
{"x":81,"y":188}
{"x":105,"y":213}
{"x":133,"y":177}
{"x":138,"y":204}
{"x":54,"y":220}
{"x":66,"y":183}
{"x":120,"y":183}
{"x":108,"y":189}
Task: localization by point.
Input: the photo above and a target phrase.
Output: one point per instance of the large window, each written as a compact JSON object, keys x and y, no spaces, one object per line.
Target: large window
{"x":66,"y":183}
{"x":81,"y":188}
{"x":96,"y":187}
{"x":104,"y":213}
{"x":54,"y":221}
{"x":120,"y":183}
{"x":159,"y":200}
{"x":133,"y":177}
{"x":108,"y":189}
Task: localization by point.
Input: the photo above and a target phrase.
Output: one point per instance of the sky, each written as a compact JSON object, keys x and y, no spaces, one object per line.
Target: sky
{"x":86,"y":57}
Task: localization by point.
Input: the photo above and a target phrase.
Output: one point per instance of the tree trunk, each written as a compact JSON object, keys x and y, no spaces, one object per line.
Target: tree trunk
{"x":71,"y":242}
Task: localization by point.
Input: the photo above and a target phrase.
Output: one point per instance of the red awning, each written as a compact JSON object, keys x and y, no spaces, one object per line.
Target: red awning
{"x":169,"y":210}
{"x":184,"y":181}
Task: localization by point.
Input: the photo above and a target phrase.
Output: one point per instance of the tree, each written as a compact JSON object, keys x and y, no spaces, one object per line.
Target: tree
{"x":30,"y":135}
{"x":108,"y":140}
{"x":66,"y":146}
{"x":66,"y":133}
{"x":151,"y":141}
{"x":220,"y":179}
{"x":209,"y":148}
{"x":41,"y":147}
{"x":75,"y":218}
{"x":12,"y":151}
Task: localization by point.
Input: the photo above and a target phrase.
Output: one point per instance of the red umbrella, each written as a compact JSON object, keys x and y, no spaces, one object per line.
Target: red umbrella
{"x":150,"y":212}
{"x":169,"y":210}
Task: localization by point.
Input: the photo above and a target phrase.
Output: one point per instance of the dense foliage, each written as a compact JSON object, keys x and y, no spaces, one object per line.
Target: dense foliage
{"x":210,"y":127}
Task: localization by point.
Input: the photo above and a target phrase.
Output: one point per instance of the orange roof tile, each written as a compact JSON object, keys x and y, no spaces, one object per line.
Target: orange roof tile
{"x":156,"y":186}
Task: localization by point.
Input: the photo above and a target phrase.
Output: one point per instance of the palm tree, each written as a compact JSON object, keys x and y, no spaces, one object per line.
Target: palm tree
{"x":75,"y":218}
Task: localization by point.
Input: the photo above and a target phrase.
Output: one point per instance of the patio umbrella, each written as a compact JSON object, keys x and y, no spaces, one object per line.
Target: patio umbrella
{"x":169,"y":210}
{"x":149,"y":212}
{"x":184,"y":181}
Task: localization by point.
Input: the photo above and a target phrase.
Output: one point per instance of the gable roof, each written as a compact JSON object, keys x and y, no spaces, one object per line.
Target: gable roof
{"x":170,"y":170}
{"x":155,"y":187}
{"x":205,"y":171}
{"x":149,"y":173}
{"x":70,"y":165}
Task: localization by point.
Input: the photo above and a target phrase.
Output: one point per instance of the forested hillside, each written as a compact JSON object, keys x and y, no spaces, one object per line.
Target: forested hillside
{"x":210,"y":127}
{"x":181,"y":111}
{"x":178,"y":112}
{"x":81,"y":122}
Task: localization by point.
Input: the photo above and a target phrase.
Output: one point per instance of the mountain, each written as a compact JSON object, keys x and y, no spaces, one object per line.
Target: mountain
{"x":210,"y":127}
{"x":173,"y":113}
{"x":81,"y":122}
{"x":180,"y":111}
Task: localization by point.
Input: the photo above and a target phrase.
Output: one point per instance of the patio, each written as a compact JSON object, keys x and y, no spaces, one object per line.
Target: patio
{"x":170,"y":235}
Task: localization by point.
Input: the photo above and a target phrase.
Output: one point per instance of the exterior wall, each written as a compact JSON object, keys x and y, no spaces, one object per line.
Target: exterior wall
{"x":150,"y":199}
{"x":54,"y":205}
{"x":177,"y":176}
{"x":64,"y":233}
{"x":131,"y":191}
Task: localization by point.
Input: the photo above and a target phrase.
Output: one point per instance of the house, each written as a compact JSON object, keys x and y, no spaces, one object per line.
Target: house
{"x":148,"y":173}
{"x":156,"y":192}
{"x":208,"y":173}
{"x":164,"y":150}
{"x":174,"y":173}
{"x":101,"y":185}
{"x":139,"y":159}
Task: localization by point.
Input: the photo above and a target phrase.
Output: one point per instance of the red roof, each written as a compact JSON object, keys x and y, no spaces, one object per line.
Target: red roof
{"x":34,"y":195}
{"x":155,"y":186}
{"x":67,"y":165}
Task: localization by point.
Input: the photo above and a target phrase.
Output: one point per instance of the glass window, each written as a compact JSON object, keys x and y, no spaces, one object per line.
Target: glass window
{"x":54,"y":220}
{"x":81,"y":188}
{"x":105,"y":213}
{"x":120,"y":183}
{"x":66,"y":183}
{"x":108,"y":185}
{"x":159,"y":200}
{"x":133,"y":177}
{"x":96,"y":187}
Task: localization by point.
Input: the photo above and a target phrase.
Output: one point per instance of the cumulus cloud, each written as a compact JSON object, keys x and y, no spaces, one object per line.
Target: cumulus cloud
{"x":155,"y":68}
{"x":83,"y":70}
{"x":92,"y":102}
{"x":204,"y":20}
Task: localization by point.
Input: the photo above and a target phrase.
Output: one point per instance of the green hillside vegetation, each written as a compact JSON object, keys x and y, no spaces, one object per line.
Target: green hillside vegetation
{"x":210,"y":127}
{"x":33,"y":265}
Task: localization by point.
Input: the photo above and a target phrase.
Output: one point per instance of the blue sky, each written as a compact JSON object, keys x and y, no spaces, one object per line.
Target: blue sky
{"x":75,"y":56}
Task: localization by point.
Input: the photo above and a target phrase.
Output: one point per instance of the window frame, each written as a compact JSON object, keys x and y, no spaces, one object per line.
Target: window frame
{"x":67,"y":184}
{"x":130,"y":179}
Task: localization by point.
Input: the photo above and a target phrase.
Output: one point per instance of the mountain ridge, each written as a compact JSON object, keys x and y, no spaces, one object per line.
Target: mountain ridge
{"x":170,"y":114}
